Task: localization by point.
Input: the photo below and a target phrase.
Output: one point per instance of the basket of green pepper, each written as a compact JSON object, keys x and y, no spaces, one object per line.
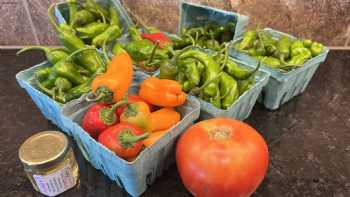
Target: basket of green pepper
{"x":223,"y":25}
{"x":94,"y":20}
{"x":291,"y":62}
{"x":65,"y":76}
{"x":225,"y":87}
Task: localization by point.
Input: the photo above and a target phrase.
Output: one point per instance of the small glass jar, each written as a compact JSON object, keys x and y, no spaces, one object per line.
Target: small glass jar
{"x":49,"y":162}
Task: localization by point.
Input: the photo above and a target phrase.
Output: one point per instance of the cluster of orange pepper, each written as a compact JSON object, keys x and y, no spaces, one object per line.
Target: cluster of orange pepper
{"x":132,"y":120}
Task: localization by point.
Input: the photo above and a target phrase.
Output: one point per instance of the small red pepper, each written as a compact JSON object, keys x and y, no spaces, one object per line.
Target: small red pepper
{"x":157,"y":37}
{"x":99,"y":117}
{"x":123,"y":139}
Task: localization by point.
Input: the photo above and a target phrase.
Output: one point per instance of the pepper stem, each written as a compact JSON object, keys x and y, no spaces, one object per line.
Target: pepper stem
{"x":196,"y":90}
{"x":79,"y":51}
{"x":107,"y":115}
{"x":95,"y":98}
{"x":127,"y":138}
{"x":51,"y":18}
{"x":153,"y":53}
{"x":48,"y":92}
{"x":43,"y":48}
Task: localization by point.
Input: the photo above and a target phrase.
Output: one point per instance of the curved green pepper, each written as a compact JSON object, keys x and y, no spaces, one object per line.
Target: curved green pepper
{"x":299,"y":59}
{"x":94,"y":7}
{"x":91,"y":30}
{"x":52,"y":55}
{"x":246,"y":84}
{"x":141,"y":50}
{"x":192,"y":74}
{"x":302,"y":50}
{"x":168,"y":71}
{"x":43,"y":73}
{"x":114,"y":16}
{"x":111,"y":33}
{"x":212,"y":70}
{"x":297,"y":44}
{"x":228,"y":90}
{"x":283,"y":48}
{"x":82,"y":17}
{"x":134,"y":33}
{"x":269,"y":61}
{"x":247,"y":40}
{"x":67,"y":69}
{"x":73,"y":9}
{"x":237,"y":72}
{"x":50,"y":81}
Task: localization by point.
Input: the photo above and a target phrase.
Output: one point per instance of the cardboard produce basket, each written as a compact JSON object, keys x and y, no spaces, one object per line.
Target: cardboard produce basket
{"x":282,"y":87}
{"x":134,"y":176}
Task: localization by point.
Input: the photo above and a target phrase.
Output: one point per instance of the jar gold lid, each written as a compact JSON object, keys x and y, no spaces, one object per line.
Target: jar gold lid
{"x":43,"y":148}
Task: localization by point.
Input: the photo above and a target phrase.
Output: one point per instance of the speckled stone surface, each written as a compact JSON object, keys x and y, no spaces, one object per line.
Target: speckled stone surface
{"x":15,"y":28}
{"x":44,"y":30}
{"x":308,"y":138}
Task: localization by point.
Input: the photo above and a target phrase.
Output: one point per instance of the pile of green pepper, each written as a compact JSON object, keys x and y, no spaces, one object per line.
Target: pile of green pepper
{"x":210,"y":36}
{"x":146,"y":55}
{"x":72,"y":67}
{"x":215,"y":78}
{"x":283,"y":54}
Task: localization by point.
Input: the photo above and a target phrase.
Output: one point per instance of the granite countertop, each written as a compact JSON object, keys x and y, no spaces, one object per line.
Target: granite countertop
{"x":308,"y":138}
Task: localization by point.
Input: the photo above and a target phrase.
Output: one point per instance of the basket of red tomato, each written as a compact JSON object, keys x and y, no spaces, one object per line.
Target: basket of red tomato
{"x":128,"y":128}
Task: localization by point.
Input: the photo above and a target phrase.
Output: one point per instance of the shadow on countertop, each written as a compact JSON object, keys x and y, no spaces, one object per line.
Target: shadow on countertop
{"x":309,"y":138}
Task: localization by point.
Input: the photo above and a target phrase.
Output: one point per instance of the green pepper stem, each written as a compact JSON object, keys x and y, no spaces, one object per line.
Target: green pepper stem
{"x":48,"y":92}
{"x":79,"y":51}
{"x":43,"y":48}
{"x":108,"y":116}
{"x":153,"y":53}
{"x":127,"y":138}
{"x":95,"y":98}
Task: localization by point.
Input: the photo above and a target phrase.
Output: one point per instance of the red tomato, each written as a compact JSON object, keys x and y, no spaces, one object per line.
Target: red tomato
{"x":133,"y":99}
{"x":221,"y":158}
{"x":123,"y":139}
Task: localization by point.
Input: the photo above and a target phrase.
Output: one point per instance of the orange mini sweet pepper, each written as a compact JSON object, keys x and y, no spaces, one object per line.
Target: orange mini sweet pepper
{"x":112,"y":85}
{"x":162,"y":92}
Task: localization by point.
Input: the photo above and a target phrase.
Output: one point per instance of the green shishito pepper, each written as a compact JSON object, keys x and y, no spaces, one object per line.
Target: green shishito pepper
{"x":91,"y":30}
{"x":82,"y":17}
{"x":73,"y":9}
{"x":247,"y":40}
{"x":50,"y":81}
{"x":96,"y":8}
{"x":141,"y":50}
{"x":246,"y":84}
{"x":316,"y":48}
{"x":237,"y":72}
{"x":300,"y":59}
{"x":297,"y":47}
{"x":111,"y":33}
{"x":228,"y":90}
{"x":307,"y":43}
{"x":53,"y":55}
{"x":283,"y":48}
{"x":114,"y":16}
{"x":43,"y":73}
{"x":134,"y":33}
{"x":168,"y":71}
{"x":269,"y":43}
{"x":212,"y":70}
{"x":66,"y":68}
{"x":269,"y":61}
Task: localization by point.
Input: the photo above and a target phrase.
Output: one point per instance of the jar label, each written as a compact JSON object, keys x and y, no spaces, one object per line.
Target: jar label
{"x":56,"y":183}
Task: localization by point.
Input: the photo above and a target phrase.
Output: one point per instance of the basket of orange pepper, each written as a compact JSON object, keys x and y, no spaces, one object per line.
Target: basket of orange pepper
{"x":127,"y":127}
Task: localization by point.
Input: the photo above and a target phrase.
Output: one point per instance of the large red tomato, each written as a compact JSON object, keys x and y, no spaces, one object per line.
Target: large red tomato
{"x":221,"y":158}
